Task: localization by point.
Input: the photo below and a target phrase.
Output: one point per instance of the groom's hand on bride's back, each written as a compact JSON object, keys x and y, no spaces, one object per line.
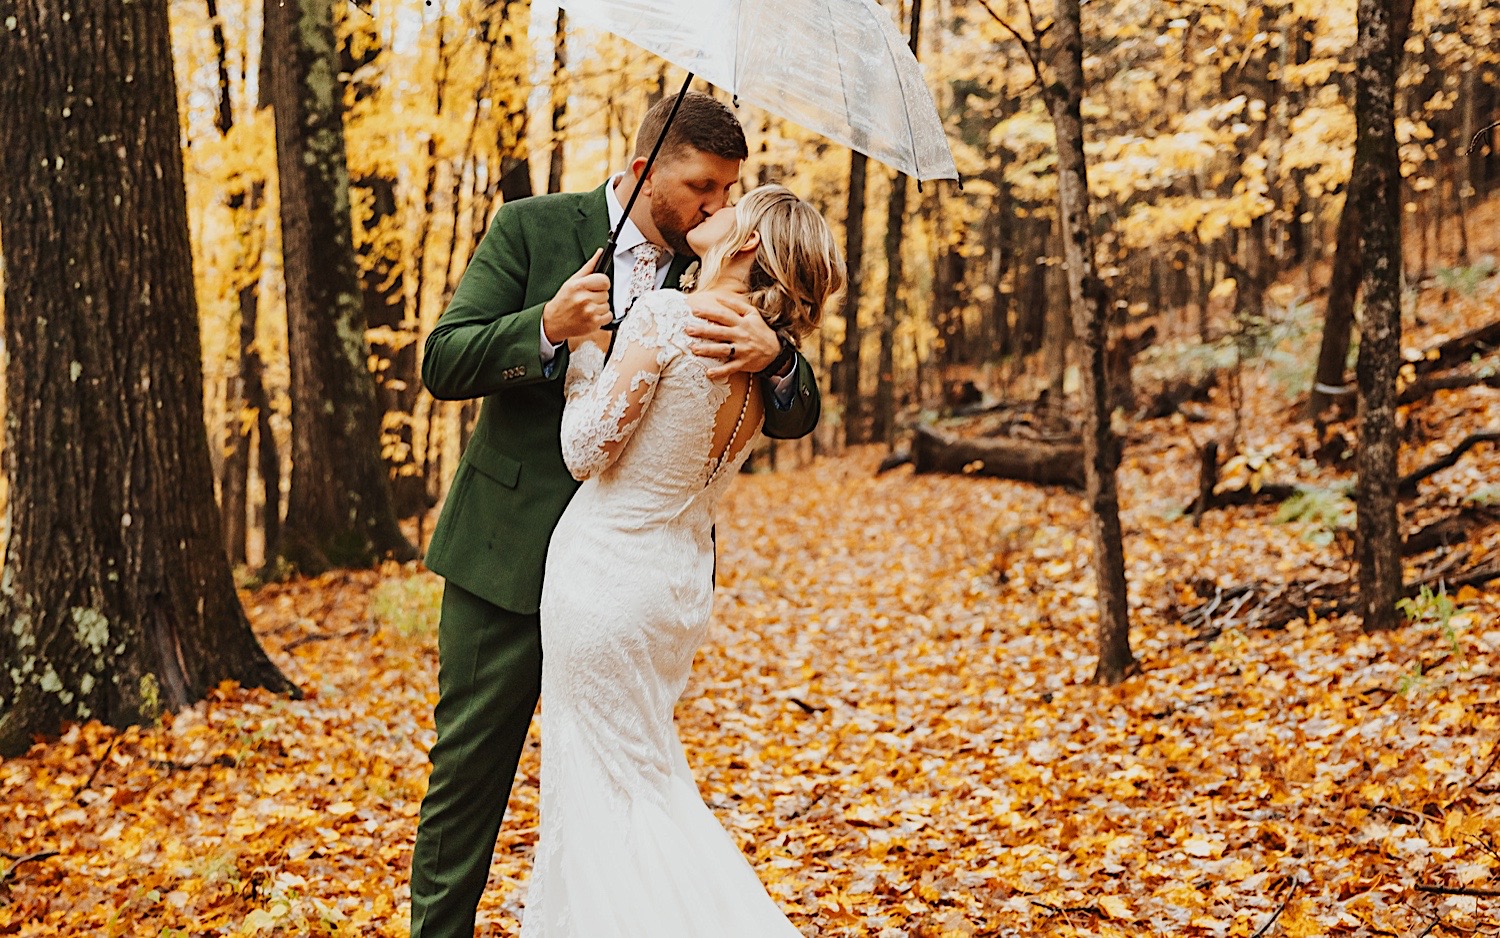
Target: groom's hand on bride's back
{"x":732,"y":331}
{"x":581,"y":305}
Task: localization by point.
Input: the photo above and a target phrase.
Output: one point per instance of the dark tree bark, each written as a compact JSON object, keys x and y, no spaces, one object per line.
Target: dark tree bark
{"x":1089,"y":302}
{"x":559,"y":102}
{"x":253,"y":374}
{"x":340,"y":511}
{"x":846,"y":383}
{"x":1347,"y":273}
{"x":884,"y":425}
{"x":117,"y":601}
{"x":512,"y":19}
{"x":224,"y":115}
{"x":1001,"y":259}
{"x":1378,"y":542}
{"x":234,"y":476}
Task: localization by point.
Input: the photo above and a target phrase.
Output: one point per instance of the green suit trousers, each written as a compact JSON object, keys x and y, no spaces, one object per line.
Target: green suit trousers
{"x":489,"y":678}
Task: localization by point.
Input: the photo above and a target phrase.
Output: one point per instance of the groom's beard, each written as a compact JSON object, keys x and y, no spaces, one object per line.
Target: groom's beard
{"x":674,"y":230}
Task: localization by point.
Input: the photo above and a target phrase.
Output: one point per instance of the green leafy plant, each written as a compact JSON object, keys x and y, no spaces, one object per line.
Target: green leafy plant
{"x":1326,"y":511}
{"x":1465,"y":280}
{"x":1412,"y":680}
{"x":1485,"y":495}
{"x":1429,"y":608}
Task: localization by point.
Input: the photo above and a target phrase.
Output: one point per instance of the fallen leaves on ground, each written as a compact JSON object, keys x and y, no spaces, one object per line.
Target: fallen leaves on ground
{"x":892,"y":716}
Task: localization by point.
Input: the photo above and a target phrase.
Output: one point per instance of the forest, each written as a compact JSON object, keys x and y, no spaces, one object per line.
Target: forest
{"x":1139,"y":577}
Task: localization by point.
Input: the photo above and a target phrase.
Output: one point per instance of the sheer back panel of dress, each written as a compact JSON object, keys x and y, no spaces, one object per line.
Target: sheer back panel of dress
{"x":735,"y":423}
{"x":701,"y":430}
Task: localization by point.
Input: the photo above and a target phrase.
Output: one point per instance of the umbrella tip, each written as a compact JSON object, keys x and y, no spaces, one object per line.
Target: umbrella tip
{"x":736,"y":100}
{"x":960,"y":182}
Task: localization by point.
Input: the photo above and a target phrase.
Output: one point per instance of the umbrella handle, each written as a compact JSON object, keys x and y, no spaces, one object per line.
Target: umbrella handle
{"x":614,"y":236}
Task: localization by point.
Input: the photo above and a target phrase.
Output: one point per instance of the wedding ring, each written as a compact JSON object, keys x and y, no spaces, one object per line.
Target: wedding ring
{"x":730,"y":358}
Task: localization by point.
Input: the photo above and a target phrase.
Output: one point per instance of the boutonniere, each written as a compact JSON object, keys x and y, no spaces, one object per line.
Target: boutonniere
{"x":689,"y":278}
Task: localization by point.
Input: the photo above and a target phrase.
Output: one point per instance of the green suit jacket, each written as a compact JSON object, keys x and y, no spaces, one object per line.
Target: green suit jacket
{"x":511,"y":485}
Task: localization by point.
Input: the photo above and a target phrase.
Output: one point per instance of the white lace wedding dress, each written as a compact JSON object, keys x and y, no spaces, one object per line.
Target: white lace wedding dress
{"x":627,"y":847}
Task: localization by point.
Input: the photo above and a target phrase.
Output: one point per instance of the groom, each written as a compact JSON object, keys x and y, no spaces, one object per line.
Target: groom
{"x":527,"y":291}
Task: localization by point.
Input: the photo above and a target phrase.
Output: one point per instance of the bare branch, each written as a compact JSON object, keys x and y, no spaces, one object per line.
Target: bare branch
{"x":1457,"y":890}
{"x":1279,"y":909}
{"x":1474,"y":143}
{"x":5,"y":877}
{"x":97,"y":766}
{"x":1029,"y":45}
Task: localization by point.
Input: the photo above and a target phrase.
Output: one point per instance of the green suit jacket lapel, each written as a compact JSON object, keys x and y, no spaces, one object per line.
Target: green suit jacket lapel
{"x":680,"y":263}
{"x":593,"y":223}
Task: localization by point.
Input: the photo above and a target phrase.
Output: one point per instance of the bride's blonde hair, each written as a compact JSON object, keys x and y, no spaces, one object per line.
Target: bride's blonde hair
{"x":798,"y":266}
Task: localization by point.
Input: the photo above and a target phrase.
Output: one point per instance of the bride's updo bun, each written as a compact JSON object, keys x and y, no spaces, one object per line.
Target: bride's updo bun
{"x":798,"y":266}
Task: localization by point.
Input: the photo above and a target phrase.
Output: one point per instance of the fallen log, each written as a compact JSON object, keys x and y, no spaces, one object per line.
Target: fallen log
{"x":1450,"y":530}
{"x":1425,"y":385}
{"x":1167,"y":398}
{"x":1409,"y":482}
{"x":1269,"y":493}
{"x":1460,"y":348}
{"x":1045,"y":463}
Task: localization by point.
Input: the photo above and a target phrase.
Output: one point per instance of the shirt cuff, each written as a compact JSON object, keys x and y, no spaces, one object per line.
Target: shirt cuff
{"x":547,"y":351}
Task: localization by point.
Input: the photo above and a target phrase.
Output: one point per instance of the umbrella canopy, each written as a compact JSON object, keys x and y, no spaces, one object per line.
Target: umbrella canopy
{"x":838,"y":67}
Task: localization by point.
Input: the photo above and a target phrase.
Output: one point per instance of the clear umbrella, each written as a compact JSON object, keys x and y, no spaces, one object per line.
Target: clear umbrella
{"x":838,"y":67}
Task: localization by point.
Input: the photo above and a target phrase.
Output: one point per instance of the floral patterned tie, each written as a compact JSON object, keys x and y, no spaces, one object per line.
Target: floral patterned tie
{"x":643,"y":274}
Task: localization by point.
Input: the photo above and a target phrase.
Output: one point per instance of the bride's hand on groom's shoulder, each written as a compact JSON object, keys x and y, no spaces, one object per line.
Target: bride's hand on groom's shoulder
{"x":729,"y":330}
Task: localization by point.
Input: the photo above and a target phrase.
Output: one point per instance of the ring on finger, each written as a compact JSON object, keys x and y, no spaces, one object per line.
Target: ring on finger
{"x":730,"y":356}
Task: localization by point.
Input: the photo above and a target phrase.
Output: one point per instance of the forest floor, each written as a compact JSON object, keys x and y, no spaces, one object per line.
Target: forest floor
{"x":893,"y":716}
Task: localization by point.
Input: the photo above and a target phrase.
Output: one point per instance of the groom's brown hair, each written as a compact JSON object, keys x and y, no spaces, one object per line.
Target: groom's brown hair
{"x":702,"y":123}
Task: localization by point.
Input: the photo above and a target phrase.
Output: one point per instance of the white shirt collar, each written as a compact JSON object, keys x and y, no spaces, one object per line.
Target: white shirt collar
{"x":630,"y":236}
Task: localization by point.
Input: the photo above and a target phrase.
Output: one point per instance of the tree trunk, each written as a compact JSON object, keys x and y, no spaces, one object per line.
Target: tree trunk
{"x":1343,"y":288}
{"x":514,"y":21}
{"x":847,"y":375}
{"x":1090,"y":306}
{"x":1345,"y":278}
{"x":234,"y":477}
{"x":559,"y":102}
{"x":253,"y":378}
{"x":340,"y":512}
{"x":1378,"y":546}
{"x":884,"y":425}
{"x":1001,"y":259}
{"x":117,"y":600}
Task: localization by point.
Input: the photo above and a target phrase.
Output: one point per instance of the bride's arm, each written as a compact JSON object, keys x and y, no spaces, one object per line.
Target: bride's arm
{"x":601,"y":414}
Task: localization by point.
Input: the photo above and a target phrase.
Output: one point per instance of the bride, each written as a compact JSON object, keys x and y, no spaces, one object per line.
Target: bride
{"x":627,"y":846}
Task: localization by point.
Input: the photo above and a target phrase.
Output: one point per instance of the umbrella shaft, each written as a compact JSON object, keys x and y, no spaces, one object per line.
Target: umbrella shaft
{"x":614,"y":236}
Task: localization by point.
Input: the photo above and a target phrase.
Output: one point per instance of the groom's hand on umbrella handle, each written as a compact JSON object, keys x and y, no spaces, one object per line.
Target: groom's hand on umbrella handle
{"x":731,"y":330}
{"x":581,"y":305}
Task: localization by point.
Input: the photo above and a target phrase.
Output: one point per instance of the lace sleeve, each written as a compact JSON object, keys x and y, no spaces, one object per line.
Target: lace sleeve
{"x":602,"y":414}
